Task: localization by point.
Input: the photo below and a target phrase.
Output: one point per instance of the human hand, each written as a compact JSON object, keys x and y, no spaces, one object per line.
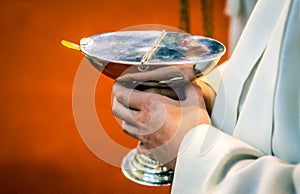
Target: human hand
{"x":160,"y":81}
{"x":159,"y":122}
{"x":166,"y":74}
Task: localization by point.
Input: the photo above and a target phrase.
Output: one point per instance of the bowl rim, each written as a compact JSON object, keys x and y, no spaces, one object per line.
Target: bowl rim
{"x":84,"y":42}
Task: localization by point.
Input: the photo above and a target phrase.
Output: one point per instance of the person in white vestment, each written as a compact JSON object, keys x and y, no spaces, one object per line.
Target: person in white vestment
{"x":237,"y":130}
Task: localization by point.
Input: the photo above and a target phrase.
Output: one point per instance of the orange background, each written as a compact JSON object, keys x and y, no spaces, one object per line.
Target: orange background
{"x":40,"y":148}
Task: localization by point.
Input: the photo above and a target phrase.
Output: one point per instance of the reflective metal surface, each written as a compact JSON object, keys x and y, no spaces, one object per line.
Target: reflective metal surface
{"x":112,"y":53}
{"x":146,"y":171}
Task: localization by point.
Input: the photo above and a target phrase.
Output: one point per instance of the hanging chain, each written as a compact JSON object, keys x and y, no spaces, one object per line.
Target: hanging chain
{"x":207,"y":17}
{"x":184,"y":15}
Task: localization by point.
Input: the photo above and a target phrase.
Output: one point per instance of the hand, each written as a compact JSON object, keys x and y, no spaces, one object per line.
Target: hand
{"x":166,"y":73}
{"x":159,"y":122}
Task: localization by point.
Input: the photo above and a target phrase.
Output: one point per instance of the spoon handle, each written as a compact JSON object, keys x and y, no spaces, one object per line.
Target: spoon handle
{"x":70,"y":45}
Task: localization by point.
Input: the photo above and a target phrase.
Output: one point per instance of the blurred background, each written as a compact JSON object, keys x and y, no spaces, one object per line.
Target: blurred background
{"x":40,"y":148}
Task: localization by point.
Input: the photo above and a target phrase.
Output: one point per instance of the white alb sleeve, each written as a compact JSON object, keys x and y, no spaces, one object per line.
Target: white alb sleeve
{"x":211,"y":161}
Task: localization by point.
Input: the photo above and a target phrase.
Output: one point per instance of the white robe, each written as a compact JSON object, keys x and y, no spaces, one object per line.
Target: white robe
{"x":239,"y":12}
{"x":253,"y":145}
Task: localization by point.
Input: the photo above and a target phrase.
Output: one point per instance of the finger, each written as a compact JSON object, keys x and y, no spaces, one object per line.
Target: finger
{"x":194,"y":95}
{"x":128,"y":97}
{"x":134,"y":119}
{"x":169,"y":92}
{"x":131,"y":130}
{"x":124,"y":113}
{"x":138,"y":100}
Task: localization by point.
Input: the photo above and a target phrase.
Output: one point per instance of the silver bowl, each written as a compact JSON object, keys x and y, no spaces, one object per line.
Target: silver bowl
{"x":115,"y":52}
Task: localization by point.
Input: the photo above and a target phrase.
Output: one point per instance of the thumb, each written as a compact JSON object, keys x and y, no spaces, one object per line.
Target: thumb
{"x":194,"y":95}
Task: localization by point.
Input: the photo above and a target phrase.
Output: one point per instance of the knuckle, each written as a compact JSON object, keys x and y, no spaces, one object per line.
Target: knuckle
{"x":115,"y":112}
{"x":115,"y":88}
{"x":120,"y":97}
{"x":114,"y":109}
{"x":142,"y":118}
{"x":149,"y":98}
